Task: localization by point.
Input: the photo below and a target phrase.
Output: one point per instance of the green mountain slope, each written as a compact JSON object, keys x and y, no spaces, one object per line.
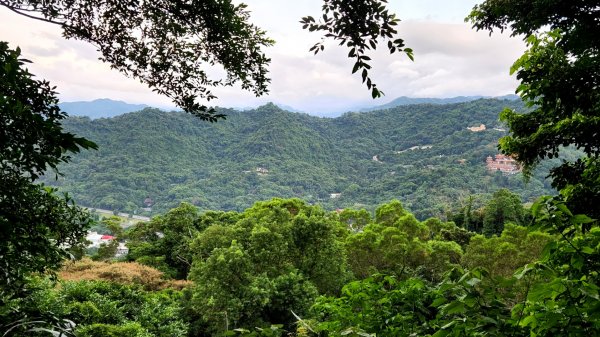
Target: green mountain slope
{"x":367,"y":157}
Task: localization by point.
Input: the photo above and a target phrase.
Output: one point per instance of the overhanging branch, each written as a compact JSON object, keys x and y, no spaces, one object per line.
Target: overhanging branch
{"x":20,"y":11}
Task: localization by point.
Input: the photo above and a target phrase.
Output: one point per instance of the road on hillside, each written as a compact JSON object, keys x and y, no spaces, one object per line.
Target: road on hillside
{"x":125,"y":215}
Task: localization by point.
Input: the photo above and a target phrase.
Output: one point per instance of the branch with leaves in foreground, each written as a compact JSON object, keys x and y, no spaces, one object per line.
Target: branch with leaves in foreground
{"x":168,"y":45}
{"x":358,"y":24}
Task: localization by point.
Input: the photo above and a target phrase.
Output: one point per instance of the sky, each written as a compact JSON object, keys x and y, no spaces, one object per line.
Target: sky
{"x":451,"y":59}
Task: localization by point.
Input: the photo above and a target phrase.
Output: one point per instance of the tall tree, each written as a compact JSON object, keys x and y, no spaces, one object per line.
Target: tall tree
{"x":36,"y":225}
{"x":560,"y":78}
{"x":504,"y":207}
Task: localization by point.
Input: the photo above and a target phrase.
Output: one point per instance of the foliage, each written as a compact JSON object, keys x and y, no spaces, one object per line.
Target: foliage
{"x":125,"y":330}
{"x":32,"y":137}
{"x":95,"y":308}
{"x":389,"y":213}
{"x":358,"y":25}
{"x":277,"y":257}
{"x":379,"y":305}
{"x":504,"y":207}
{"x":448,"y":231}
{"x":36,"y":225}
{"x":566,"y":303}
{"x":355,"y":219}
{"x":106,"y":251}
{"x":502,"y":255}
{"x":469,"y":307}
{"x":128,"y":273}
{"x":170,"y":45}
{"x":398,"y":244}
{"x":164,"y":241}
{"x":100,"y":306}
{"x":306,"y":157}
{"x":383,"y":306}
{"x":559,"y":84}
{"x":167,"y":45}
{"x":557,"y":295}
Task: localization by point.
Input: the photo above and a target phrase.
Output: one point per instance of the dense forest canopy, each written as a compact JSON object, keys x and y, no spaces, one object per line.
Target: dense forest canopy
{"x":288,"y":267}
{"x":424,"y":155}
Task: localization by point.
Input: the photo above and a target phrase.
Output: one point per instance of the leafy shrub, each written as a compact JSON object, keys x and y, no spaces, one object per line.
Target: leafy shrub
{"x":119,"y":272}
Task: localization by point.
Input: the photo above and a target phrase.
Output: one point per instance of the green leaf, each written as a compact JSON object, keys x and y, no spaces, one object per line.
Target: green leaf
{"x":581,"y":219}
{"x":441,"y":333}
{"x":521,"y":272}
{"x":439,"y":301}
{"x":454,"y":308}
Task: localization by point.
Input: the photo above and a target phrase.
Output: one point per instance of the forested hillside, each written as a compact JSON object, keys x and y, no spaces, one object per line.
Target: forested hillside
{"x":423,"y":155}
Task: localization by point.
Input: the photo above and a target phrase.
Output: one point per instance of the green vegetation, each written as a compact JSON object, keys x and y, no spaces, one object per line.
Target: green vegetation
{"x":358,"y":25}
{"x":252,"y":269}
{"x":560,"y":87}
{"x":37,"y":226}
{"x":157,"y":154}
{"x":286,"y":267}
{"x":258,"y":272}
{"x":101,"y":308}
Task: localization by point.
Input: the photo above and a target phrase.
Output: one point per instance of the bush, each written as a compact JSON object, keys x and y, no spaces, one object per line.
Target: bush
{"x":119,"y":272}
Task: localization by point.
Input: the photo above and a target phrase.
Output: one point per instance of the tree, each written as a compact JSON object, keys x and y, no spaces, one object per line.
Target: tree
{"x":38,"y":228}
{"x":275,"y":258}
{"x":167,"y":45}
{"x":504,"y":207}
{"x":402,"y":248}
{"x":106,"y":251}
{"x":560,"y":84}
{"x":559,"y":81}
{"x":515,"y":241}
{"x":164,"y":242}
{"x":388,"y":214}
{"x":113,"y":225}
{"x":355,"y":219}
{"x":379,"y":305}
{"x":36,"y":225}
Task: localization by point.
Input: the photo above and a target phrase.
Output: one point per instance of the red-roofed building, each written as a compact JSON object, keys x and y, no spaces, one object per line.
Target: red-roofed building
{"x":502,"y":163}
{"x":107,"y":237}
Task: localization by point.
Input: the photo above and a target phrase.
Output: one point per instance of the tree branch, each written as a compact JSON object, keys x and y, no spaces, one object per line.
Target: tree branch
{"x":19,"y":11}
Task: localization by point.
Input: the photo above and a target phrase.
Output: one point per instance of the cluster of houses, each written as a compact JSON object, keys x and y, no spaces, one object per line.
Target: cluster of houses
{"x":502,"y":163}
{"x":97,"y":239}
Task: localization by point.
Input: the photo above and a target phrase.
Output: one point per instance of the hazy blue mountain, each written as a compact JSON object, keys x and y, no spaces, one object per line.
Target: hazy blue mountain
{"x":287,"y":107}
{"x":99,"y":108}
{"x":404,"y":100}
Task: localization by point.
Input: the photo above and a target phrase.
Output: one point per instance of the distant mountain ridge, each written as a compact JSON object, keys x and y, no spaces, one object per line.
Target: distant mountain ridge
{"x":423,"y":155}
{"x":108,"y":108}
{"x":99,"y":108}
{"x":404,"y":100}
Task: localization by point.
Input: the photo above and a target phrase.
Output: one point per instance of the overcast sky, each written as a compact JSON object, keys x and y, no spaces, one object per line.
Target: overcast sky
{"x":451,"y":59}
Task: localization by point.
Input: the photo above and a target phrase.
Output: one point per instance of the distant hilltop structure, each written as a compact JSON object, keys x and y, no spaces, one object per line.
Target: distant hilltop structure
{"x":502,"y":163}
{"x":262,"y":171}
{"x":479,"y":128}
